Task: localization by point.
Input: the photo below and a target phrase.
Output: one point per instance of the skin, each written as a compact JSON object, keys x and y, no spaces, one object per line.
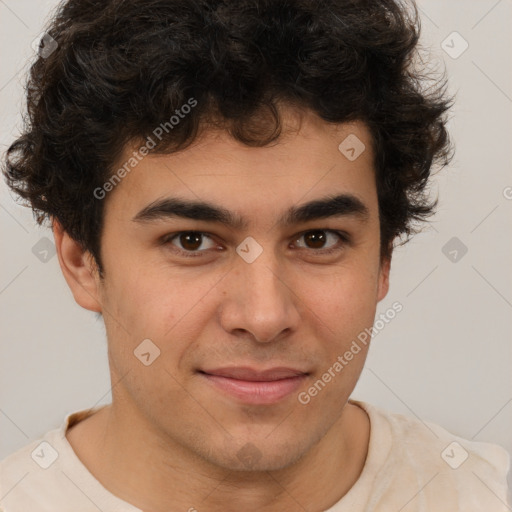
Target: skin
{"x":169,"y":441}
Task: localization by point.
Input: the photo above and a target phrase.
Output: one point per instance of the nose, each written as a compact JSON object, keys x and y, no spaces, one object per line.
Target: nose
{"x":259,"y":300}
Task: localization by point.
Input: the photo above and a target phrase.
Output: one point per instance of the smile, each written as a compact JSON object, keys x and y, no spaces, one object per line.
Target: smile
{"x":248,"y":389}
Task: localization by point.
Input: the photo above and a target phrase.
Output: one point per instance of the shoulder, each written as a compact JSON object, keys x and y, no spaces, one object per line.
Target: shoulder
{"x":30,"y":475}
{"x":440,"y":447}
{"x":470,"y":475}
{"x":25,"y":474}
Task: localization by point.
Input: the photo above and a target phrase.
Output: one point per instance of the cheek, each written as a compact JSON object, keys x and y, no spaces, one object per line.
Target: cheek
{"x":170,"y":310}
{"x":344,"y":300}
{"x":149,"y":300}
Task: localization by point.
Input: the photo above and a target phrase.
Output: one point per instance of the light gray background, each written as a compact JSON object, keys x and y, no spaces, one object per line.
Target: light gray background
{"x":446,"y":358}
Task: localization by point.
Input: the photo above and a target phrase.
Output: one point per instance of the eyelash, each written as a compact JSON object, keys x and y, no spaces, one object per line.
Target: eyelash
{"x":344,"y":237}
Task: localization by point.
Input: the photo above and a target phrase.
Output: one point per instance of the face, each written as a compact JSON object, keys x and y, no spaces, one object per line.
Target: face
{"x":285,"y":289}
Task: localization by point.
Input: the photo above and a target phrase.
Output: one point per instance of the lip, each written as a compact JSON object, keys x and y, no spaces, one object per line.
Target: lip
{"x":255,"y":386}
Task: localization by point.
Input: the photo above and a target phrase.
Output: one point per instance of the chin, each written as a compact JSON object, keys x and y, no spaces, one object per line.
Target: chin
{"x":259,"y":456}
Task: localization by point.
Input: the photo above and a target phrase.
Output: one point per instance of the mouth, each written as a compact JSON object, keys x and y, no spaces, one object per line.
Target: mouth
{"x":252,"y":386}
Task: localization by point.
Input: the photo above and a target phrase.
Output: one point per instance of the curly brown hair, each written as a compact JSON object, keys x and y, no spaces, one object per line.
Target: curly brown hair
{"x":119,"y":68}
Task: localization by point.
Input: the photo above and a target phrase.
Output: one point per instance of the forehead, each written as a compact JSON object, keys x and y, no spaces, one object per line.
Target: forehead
{"x":311,"y":159}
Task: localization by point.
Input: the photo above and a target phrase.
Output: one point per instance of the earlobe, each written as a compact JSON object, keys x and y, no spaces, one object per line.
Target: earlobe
{"x":383,"y":285}
{"x":78,"y":268}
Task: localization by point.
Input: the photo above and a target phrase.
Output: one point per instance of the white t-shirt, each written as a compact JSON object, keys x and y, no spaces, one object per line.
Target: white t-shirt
{"x":410,"y":467}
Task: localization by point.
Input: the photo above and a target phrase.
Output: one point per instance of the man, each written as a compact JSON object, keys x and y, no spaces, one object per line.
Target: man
{"x":225,"y":181}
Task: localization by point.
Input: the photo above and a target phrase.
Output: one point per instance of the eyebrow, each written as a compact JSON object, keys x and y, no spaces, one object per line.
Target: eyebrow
{"x":341,"y":205}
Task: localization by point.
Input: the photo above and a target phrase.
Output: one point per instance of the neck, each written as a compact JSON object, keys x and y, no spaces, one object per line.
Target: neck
{"x":149,"y":470}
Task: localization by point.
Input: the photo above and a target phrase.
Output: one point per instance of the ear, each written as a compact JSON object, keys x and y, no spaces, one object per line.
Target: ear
{"x":383,"y":284}
{"x":78,"y":268}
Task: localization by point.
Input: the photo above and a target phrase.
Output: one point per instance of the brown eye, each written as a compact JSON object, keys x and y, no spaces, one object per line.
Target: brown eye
{"x":315,"y":239}
{"x":190,"y":242}
{"x":318,"y":239}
